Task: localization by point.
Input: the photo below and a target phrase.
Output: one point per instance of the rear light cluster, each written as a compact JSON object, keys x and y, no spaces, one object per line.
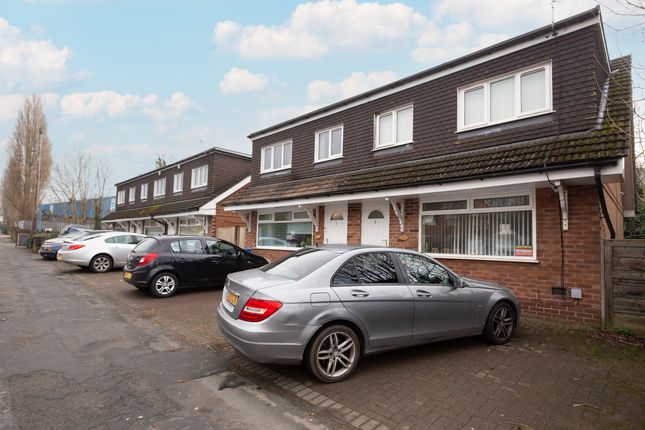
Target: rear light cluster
{"x":75,"y":247}
{"x":256,"y":310}
{"x":147,"y":259}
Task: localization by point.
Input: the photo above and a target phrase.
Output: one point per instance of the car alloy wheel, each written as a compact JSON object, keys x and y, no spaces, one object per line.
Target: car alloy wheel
{"x":101,"y":264}
{"x":164,"y":285}
{"x":334,"y":354}
{"x":500,"y":324}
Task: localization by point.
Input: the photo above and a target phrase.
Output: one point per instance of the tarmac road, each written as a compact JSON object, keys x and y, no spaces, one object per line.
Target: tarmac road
{"x":69,"y":359}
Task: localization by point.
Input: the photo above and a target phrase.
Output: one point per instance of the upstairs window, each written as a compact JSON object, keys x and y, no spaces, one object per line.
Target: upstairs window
{"x":276,"y":157}
{"x":199,"y":177}
{"x":178,"y":182}
{"x":329,"y":144}
{"x":144,"y":192}
{"x":521,"y":94}
{"x":393,"y":128}
{"x":160,"y":187}
{"x":120,"y":197}
{"x":132,"y":194}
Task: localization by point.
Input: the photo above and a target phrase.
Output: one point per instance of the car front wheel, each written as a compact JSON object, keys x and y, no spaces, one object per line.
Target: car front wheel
{"x":333,"y":354}
{"x":500,"y":323}
{"x":101,"y":263}
{"x":164,"y":285}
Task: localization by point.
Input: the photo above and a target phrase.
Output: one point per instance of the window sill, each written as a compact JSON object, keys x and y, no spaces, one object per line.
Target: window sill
{"x":200,"y":188}
{"x":270,"y":173}
{"x":178,"y":193}
{"x":326,"y":160}
{"x":484,"y":258}
{"x":397,"y":145}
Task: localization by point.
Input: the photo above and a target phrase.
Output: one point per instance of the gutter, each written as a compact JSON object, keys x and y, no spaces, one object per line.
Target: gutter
{"x":162,"y":223}
{"x":603,"y":203}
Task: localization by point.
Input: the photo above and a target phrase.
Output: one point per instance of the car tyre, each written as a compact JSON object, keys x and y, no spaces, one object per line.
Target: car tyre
{"x":333,"y":354}
{"x":500,"y":324}
{"x":101,"y":263}
{"x":164,"y":285}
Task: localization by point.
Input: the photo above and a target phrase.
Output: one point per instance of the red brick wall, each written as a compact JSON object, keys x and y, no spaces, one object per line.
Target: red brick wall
{"x":223,"y":219}
{"x":532,"y":282}
{"x":354,"y":223}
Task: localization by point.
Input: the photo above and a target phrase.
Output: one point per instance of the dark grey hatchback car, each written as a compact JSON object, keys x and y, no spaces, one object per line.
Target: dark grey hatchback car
{"x":329,"y":306}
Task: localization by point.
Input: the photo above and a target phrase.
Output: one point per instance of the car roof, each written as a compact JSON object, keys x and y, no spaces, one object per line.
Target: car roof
{"x":342,"y":248}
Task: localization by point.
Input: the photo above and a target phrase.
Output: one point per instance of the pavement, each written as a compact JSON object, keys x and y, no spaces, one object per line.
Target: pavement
{"x":550,"y":376}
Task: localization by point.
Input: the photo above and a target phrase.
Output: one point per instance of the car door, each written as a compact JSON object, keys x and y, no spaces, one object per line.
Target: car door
{"x":190,"y":260}
{"x":371,"y":288}
{"x":119,"y":247}
{"x":223,"y":258}
{"x":441,"y":309}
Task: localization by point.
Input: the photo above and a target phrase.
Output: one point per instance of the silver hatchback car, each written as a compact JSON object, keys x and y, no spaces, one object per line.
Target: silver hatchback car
{"x":329,"y":306}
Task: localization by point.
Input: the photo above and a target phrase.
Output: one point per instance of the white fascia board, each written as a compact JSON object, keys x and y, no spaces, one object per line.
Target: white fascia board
{"x":434,"y":76}
{"x":125,"y":219}
{"x":610,"y":174}
{"x":212,"y":205}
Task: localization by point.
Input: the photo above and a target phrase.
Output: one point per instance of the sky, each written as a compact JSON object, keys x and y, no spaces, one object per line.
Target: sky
{"x":128,"y":81}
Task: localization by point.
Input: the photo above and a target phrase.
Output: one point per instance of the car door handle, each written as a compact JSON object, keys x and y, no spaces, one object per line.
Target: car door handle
{"x":359,"y":293}
{"x":424,"y":293}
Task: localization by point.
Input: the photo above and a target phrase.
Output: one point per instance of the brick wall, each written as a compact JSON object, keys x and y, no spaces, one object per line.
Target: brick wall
{"x":354,"y":223}
{"x":532,"y":282}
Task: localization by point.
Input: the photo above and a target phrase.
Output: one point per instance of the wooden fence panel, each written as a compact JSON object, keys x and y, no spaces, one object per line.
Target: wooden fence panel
{"x":624,"y":281}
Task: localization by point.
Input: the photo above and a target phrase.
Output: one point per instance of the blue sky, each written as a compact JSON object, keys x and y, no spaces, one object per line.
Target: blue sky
{"x":130,"y":80}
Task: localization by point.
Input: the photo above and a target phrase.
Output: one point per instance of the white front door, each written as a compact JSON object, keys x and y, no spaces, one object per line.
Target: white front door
{"x":336,"y":223}
{"x":375,"y":225}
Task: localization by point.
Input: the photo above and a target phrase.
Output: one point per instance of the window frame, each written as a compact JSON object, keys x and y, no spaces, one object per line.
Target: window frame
{"x":394,"y":113}
{"x":132,"y":194}
{"x":273,"y":146}
{"x":143,"y":196}
{"x":200,"y":173}
{"x":162,"y":194}
{"x":273,"y":221}
{"x":175,"y":189}
{"x":517,"y":97}
{"x":317,"y":140}
{"x":120,"y":197}
{"x":471,"y":209}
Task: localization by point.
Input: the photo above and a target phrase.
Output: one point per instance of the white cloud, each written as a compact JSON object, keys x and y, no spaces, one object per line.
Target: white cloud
{"x":29,"y":63}
{"x":237,"y":81}
{"x":314,"y":29}
{"x":276,"y":115}
{"x":10,"y":104}
{"x":178,"y":104}
{"x":86,"y":105}
{"x":355,"y":83}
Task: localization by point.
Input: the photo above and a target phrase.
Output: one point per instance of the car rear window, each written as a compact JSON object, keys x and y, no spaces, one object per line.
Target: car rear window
{"x":300,"y":264}
{"x":146,"y":245}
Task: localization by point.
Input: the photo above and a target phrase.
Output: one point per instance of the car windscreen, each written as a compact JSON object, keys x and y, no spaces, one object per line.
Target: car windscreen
{"x":146,"y":245}
{"x":300,"y":264}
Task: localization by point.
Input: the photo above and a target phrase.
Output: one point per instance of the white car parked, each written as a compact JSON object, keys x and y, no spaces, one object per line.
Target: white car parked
{"x":101,"y":252}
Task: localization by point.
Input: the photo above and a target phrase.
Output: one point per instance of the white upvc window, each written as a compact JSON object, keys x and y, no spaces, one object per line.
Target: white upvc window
{"x":199,"y":177}
{"x":132,"y":194}
{"x":284,"y":229}
{"x":160,"y":187}
{"x":178,"y":182}
{"x":499,"y":227}
{"x":120,"y":197}
{"x":521,"y":94}
{"x":394,"y":127}
{"x":329,"y":144}
{"x":144,"y":192}
{"x":275,"y":157}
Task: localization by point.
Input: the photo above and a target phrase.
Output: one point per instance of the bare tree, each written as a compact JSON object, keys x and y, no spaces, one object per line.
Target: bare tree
{"x":28,"y":166}
{"x":101,"y":176}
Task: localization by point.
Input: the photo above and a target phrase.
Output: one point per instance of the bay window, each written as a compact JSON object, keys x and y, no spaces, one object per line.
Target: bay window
{"x":505,"y":98}
{"x":284,"y":229}
{"x":495,"y":226}
{"x":275,"y":157}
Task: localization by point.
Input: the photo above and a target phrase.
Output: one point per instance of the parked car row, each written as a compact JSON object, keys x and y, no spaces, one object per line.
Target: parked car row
{"x":324,"y":306}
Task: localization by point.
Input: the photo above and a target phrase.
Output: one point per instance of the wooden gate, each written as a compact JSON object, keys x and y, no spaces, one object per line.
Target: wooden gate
{"x":624,"y":284}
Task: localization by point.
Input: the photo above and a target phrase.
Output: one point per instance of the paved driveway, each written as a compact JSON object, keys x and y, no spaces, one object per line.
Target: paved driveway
{"x":548,"y":377}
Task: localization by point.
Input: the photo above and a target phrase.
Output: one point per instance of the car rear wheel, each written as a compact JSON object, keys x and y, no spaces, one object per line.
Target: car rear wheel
{"x":164,"y":285}
{"x":500,"y":323}
{"x":101,"y":263}
{"x":333,"y":354}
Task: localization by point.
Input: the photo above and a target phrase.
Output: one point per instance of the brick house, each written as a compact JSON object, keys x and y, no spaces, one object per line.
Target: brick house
{"x":508,"y":164}
{"x":183,"y":197}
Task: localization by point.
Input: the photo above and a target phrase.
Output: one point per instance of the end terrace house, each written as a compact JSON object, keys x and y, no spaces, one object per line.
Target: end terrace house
{"x":509,"y":164}
{"x":183,"y":197}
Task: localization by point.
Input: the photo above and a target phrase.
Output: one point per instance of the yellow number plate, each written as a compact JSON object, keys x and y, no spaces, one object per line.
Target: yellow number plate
{"x":127,"y":275}
{"x":232,"y":298}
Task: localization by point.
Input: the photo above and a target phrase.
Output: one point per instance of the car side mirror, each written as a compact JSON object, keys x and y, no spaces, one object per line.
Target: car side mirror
{"x":459,"y":283}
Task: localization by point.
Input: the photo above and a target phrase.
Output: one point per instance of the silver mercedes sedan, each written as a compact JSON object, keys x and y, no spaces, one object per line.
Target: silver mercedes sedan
{"x":329,"y":306}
